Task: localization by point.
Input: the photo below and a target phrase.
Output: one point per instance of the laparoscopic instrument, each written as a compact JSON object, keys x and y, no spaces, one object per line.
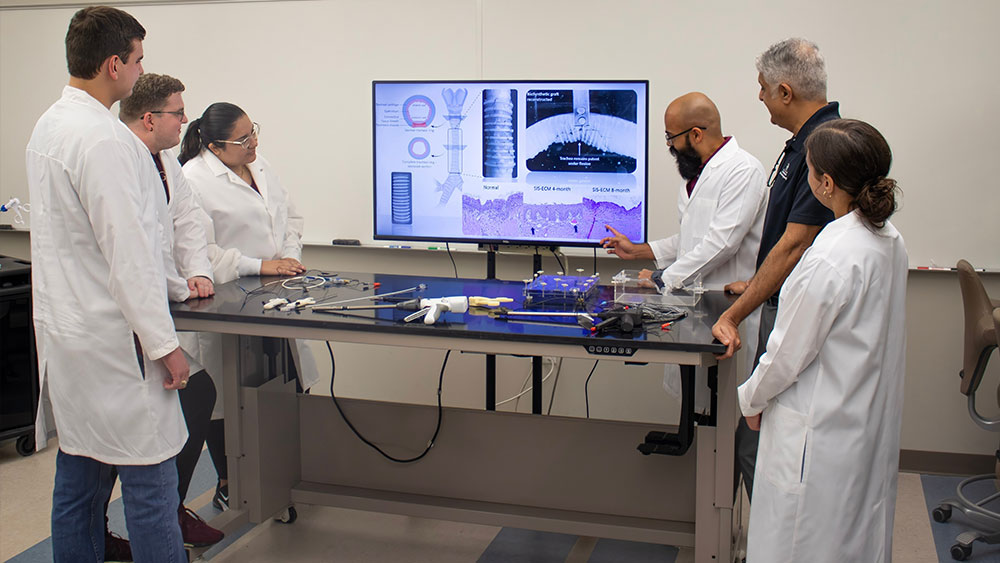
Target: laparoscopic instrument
{"x":283,"y":304}
{"x":428,"y":309}
{"x":625,"y":318}
{"x":322,"y":306}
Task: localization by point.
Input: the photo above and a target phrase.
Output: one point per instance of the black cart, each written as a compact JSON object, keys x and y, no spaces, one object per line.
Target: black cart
{"x":18,"y":367}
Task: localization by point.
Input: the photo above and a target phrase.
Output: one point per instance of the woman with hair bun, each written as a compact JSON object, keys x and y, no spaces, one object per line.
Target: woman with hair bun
{"x":827,"y":395}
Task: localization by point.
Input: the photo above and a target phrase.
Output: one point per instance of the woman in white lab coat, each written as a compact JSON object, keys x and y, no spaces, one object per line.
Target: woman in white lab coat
{"x":254,"y":230}
{"x":827,"y":395}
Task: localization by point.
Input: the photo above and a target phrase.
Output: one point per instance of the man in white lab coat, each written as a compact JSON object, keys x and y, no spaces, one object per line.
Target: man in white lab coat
{"x":108,"y":358}
{"x":721,"y":208}
{"x":155,"y":112}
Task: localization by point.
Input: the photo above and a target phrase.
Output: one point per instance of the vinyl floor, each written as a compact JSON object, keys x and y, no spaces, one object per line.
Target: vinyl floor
{"x":334,"y":534}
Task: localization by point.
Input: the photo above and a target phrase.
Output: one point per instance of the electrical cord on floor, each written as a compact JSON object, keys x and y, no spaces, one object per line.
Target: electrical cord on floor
{"x":437,"y":428}
{"x":561,"y":268}
{"x":447,"y":247}
{"x":586,"y":388}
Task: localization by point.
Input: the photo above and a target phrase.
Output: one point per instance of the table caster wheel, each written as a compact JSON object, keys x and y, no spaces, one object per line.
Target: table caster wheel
{"x":288,"y":516}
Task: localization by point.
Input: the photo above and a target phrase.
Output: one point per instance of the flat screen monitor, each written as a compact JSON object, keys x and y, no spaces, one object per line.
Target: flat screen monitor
{"x":510,"y":162}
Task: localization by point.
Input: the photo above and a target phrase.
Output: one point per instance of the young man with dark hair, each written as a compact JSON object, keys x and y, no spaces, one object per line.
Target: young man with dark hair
{"x":108,"y":357}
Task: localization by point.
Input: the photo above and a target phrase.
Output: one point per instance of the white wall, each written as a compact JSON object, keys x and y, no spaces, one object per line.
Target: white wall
{"x":922,"y":72}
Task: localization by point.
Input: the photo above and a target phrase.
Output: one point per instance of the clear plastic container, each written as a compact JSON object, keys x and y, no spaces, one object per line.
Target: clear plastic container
{"x":630,"y":290}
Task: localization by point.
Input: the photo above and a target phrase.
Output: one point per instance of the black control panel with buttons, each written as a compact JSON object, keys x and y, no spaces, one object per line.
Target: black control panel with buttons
{"x":601,"y":350}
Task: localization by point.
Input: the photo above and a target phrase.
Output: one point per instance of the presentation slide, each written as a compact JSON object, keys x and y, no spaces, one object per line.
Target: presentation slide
{"x":510,"y":162}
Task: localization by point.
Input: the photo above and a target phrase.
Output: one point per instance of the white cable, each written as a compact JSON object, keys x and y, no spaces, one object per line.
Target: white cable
{"x":318,"y":282}
{"x":524,"y":384}
{"x":552,"y":370}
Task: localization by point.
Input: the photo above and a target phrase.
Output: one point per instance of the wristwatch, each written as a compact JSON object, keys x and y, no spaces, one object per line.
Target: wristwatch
{"x":657,"y":278}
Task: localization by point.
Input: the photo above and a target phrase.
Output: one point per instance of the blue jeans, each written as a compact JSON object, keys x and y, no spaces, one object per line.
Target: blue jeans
{"x":82,"y":486}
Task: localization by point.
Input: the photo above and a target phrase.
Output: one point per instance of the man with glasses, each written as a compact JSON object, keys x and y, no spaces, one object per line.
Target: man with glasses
{"x":155,"y":112}
{"x":721,"y":208}
{"x":792,"y":77}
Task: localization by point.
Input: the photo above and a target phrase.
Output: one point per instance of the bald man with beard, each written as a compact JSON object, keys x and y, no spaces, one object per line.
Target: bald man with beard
{"x":721,"y":207}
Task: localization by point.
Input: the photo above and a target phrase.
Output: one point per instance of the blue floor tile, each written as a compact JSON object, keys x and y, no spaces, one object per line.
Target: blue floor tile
{"x":620,"y":551}
{"x":513,"y":545}
{"x":41,"y":552}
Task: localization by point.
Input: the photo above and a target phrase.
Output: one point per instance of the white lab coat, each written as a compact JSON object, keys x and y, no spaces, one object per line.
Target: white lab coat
{"x":830,"y":387}
{"x":247,"y":228}
{"x":97,"y":277}
{"x":188,"y":238}
{"x":185,"y":226}
{"x":720,"y":229}
{"x":184,"y":240}
{"x":262,"y":226}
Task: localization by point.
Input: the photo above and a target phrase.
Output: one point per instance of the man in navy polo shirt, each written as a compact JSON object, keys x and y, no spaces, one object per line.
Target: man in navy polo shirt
{"x":792,"y":76}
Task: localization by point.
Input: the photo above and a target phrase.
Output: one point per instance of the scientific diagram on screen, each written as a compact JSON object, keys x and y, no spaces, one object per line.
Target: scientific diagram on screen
{"x":509,"y":162}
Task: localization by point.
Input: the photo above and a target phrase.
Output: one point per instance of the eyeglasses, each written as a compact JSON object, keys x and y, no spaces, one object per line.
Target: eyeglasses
{"x":670,"y":138}
{"x":772,"y":176}
{"x":245,"y":141}
{"x":179,"y":113}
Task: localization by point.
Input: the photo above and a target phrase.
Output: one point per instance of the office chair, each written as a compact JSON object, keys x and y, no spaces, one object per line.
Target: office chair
{"x":982,"y":329}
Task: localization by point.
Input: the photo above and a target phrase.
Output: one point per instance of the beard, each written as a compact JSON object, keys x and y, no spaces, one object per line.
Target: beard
{"x":688,"y":162}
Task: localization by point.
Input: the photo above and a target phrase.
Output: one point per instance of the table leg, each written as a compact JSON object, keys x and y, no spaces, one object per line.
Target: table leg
{"x":536,"y":385}
{"x":491,"y":382}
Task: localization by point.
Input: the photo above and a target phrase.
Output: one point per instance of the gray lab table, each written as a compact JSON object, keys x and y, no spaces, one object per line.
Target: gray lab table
{"x":549,"y":473}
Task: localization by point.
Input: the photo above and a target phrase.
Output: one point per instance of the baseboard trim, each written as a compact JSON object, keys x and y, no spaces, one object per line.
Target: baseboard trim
{"x":945,"y":463}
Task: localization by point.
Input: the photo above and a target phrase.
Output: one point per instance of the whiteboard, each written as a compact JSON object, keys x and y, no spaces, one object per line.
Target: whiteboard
{"x":923,"y":73}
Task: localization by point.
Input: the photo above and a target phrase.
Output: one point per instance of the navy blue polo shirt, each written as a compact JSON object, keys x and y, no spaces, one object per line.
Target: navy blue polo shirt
{"x":791,"y":200}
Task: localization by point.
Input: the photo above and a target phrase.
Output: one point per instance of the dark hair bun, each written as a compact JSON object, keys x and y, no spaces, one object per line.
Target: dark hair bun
{"x":877,"y":200}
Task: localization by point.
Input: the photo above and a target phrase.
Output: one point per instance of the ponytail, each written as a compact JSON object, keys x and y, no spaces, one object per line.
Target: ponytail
{"x":191,"y":145}
{"x":216,"y":123}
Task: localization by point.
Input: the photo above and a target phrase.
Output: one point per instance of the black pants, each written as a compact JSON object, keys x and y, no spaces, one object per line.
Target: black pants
{"x":216,"y":440}
{"x":197,"y":402}
{"x":747,"y":439}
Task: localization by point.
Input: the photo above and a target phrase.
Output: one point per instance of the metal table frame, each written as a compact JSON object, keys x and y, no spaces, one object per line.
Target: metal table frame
{"x":559,"y":474}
